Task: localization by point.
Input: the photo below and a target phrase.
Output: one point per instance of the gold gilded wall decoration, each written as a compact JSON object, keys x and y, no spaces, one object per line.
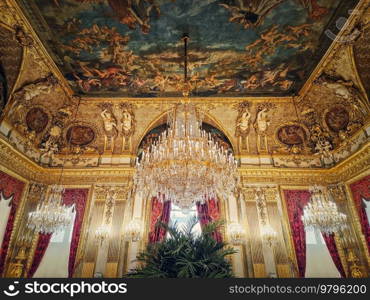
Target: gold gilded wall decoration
{"x":347,"y":91}
{"x":262,"y":124}
{"x":242,"y":127}
{"x":22,"y":98}
{"x":52,"y":142}
{"x":109,"y":125}
{"x":127,"y":125}
{"x":293,"y":137}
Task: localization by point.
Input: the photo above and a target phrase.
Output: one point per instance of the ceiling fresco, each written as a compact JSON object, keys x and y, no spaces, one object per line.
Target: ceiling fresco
{"x":118,"y":48}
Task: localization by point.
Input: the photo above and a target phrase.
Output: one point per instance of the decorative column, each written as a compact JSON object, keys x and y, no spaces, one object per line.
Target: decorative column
{"x":103,"y":231}
{"x":267,"y":233}
{"x":351,"y":250}
{"x":233,"y":218}
{"x":137,"y":216}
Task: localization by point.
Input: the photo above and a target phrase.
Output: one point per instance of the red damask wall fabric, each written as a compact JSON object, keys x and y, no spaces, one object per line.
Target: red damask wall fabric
{"x":209,"y":211}
{"x":361,"y":191}
{"x":296,"y":200}
{"x":157,"y":208}
{"x":77,"y":197}
{"x":9,"y":186}
{"x":160,"y":213}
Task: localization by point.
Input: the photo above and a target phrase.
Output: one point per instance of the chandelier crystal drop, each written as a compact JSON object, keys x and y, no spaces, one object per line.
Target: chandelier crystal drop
{"x":186,"y":165}
{"x":321,"y":213}
{"x":50,"y":216}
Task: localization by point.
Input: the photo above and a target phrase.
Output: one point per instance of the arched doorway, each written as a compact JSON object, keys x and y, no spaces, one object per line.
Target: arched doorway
{"x":206,"y":212}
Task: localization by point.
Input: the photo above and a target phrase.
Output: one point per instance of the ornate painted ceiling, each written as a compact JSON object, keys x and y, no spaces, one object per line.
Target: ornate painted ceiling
{"x":115,"y":48}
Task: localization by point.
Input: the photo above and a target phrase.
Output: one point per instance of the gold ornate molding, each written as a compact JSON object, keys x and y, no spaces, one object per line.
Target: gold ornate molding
{"x":18,"y":163}
{"x":352,"y":20}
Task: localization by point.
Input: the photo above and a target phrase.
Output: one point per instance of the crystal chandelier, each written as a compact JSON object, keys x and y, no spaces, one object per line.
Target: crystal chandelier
{"x":133,"y":230}
{"x":50,"y":215}
{"x":236,"y":234}
{"x":186,"y":165}
{"x":321,"y":213}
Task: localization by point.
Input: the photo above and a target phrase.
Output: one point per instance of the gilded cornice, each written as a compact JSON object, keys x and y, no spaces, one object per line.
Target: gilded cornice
{"x":19,"y":163}
{"x":15,"y":161}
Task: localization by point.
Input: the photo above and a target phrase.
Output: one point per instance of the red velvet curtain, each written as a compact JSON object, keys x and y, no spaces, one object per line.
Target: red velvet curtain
{"x":332,"y":247}
{"x":209,"y":211}
{"x":296,"y":200}
{"x":41,"y":246}
{"x":9,"y":186}
{"x":160,"y":213}
{"x":361,"y":190}
{"x":78,"y":197}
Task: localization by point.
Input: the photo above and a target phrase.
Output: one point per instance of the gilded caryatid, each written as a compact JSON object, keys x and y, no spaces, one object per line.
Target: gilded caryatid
{"x":127,"y":125}
{"x":261,"y":125}
{"x":242,"y":127}
{"x":110,"y":127}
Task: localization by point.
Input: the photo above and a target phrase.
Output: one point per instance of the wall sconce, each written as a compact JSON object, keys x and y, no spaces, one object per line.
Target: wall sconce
{"x":133,"y":230}
{"x":102,"y":233}
{"x":236,"y":234}
{"x":268,"y":234}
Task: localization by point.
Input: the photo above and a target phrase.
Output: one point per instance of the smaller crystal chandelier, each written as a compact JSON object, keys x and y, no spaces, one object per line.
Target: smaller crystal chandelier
{"x":268,"y":234}
{"x":236,"y":234}
{"x":50,"y":215}
{"x":133,"y":230}
{"x":102,"y":233}
{"x":321,"y":213}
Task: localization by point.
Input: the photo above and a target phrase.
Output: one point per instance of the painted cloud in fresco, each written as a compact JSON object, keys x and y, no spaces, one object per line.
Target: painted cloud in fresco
{"x":237,"y":47}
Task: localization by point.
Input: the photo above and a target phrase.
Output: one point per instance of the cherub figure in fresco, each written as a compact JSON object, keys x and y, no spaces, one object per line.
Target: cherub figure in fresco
{"x":250,"y":13}
{"x":251,"y":83}
{"x":88,"y":83}
{"x":135,"y":12}
{"x":315,"y":10}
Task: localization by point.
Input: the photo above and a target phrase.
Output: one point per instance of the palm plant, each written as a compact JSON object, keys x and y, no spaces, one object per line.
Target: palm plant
{"x":185,"y":255}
